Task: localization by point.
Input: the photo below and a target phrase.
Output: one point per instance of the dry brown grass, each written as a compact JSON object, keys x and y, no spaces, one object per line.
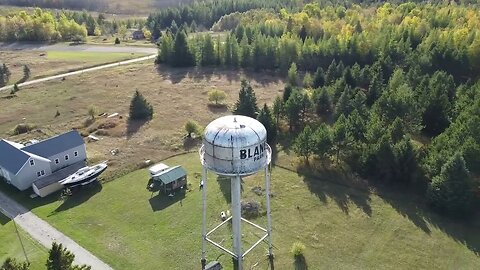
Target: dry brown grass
{"x":177,"y":95}
{"x":41,"y":65}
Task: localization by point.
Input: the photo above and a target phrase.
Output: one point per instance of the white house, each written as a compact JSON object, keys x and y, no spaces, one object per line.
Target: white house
{"x":42,"y":163}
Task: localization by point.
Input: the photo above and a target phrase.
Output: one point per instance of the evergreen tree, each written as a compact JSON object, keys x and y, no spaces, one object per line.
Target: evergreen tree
{"x":174,"y":28}
{"x":59,"y":258}
{"x":340,"y":137}
{"x":278,"y":109}
{"x":323,"y":104}
{"x":247,"y":102}
{"x":319,"y":78}
{"x":166,"y":49}
{"x":287,"y":92}
{"x":330,"y":75}
{"x":12,"y":264}
{"x":343,"y":106}
{"x":406,"y":163}
{"x":304,"y":144}
{"x":293,"y":108}
{"x":323,"y":141}
{"x":182,"y":56}
{"x":26,"y":72}
{"x":140,"y":109}
{"x":292,"y":77}
{"x":451,"y":191}
{"x":208,"y":51}
{"x":266,"y":118}
{"x":303,"y":33}
{"x":396,"y":130}
{"x":307,"y":80}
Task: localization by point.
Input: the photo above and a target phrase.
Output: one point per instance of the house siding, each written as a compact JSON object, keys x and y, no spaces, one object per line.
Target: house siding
{"x":82,"y":155}
{"x":28,"y":174}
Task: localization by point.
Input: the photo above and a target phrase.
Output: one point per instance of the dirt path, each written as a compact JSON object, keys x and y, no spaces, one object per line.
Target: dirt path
{"x":46,"y":234}
{"x":59,"y":76}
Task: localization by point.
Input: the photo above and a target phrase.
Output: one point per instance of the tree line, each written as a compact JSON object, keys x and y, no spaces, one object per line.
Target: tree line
{"x":97,"y":5}
{"x":391,"y":91}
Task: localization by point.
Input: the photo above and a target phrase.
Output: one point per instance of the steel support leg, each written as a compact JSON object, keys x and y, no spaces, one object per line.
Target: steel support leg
{"x":269,"y":218}
{"x":204,"y":217}
{"x":236,"y":220}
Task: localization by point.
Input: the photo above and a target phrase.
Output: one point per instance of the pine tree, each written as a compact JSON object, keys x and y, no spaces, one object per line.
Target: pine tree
{"x":307,"y":80}
{"x":340,"y":137}
{"x":343,"y":106}
{"x":319,"y":78}
{"x":182,"y":56}
{"x":247,"y":102}
{"x":304,"y":144}
{"x":278,"y":109}
{"x":323,"y":141}
{"x":293,"y":108}
{"x":451,"y":191}
{"x":323,"y":103}
{"x":59,"y":258}
{"x":266,"y":118}
{"x":12,"y":264}
{"x":140,"y":109}
{"x":26,"y":72}
{"x":208,"y":51}
{"x":292,"y":77}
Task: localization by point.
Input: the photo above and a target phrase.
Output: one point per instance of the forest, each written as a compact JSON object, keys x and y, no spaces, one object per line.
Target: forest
{"x":390,"y":91}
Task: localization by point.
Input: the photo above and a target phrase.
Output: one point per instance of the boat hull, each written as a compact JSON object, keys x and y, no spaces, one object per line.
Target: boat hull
{"x":85,"y":180}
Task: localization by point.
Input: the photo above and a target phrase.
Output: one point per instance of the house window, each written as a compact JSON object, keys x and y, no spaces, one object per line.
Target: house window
{"x":75,"y":153}
{"x":32,"y":162}
{"x":38,"y":174}
{"x":66,"y":157}
{"x":57,"y":161}
{"x":42,"y":172}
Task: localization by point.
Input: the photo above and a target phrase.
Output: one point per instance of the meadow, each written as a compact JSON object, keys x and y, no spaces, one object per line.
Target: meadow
{"x":341,"y":226}
{"x":11,"y":246}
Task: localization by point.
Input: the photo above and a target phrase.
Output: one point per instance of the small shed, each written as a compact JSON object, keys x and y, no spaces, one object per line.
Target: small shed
{"x":168,"y":180}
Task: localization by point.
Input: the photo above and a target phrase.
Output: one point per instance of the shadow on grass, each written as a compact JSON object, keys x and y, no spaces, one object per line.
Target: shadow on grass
{"x":300,"y":263}
{"x":162,"y":201}
{"x":79,"y":196}
{"x":330,"y":183}
{"x":133,"y":126}
{"x":414,"y":208}
{"x":225,"y":187}
{"x":217,"y":108}
{"x":4,"y":219}
{"x":190,"y":143}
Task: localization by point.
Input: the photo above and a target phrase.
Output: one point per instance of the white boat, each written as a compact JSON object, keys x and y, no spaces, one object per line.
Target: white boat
{"x":84,"y":176}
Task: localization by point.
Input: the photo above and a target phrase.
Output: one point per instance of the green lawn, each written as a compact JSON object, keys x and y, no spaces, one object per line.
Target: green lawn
{"x":91,"y":57}
{"x":10,"y":245}
{"x":342,"y":227}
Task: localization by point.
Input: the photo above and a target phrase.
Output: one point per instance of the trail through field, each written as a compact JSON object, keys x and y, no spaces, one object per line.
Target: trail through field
{"x":63,"y":75}
{"x":46,"y":234}
{"x":22,"y":46}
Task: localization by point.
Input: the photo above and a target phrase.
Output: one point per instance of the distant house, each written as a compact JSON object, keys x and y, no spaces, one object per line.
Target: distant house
{"x":41,"y":165}
{"x":138,"y":34}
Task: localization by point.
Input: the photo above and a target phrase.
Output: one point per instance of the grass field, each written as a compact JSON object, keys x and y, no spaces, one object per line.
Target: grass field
{"x":43,"y":64}
{"x":10,"y":245}
{"x":342,"y":227}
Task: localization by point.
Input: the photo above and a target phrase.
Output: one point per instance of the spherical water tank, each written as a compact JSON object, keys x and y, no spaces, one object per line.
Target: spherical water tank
{"x":235,"y":145}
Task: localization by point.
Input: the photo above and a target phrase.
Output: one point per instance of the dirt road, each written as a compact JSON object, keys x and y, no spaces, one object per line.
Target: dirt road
{"x":46,"y":234}
{"x":22,"y":46}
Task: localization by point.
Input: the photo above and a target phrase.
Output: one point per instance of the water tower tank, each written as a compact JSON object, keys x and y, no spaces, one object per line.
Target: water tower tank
{"x":235,"y":145}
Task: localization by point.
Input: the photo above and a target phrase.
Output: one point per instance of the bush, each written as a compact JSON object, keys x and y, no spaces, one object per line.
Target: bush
{"x":217,"y":96}
{"x":298,"y":249}
{"x":192,"y":127}
{"x":117,"y":41}
{"x":22,"y":128}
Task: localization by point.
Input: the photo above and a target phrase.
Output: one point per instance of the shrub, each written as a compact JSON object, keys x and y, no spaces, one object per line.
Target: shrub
{"x":217,"y":96}
{"x":297,"y":249}
{"x":22,"y":128}
{"x":117,"y":40}
{"x":192,"y":127}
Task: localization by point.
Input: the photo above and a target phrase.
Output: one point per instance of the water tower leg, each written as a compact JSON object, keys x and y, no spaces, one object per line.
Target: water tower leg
{"x":236,"y":220}
{"x":204,"y":217}
{"x":269,"y":218}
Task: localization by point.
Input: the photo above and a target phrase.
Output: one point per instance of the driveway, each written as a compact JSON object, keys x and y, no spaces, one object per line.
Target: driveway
{"x":46,"y":234}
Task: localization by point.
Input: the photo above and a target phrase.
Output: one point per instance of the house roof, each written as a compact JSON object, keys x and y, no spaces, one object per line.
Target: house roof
{"x":11,"y":159}
{"x":55,"y":145}
{"x":170,"y":175}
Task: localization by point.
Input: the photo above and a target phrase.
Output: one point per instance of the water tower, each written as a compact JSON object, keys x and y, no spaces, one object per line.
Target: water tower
{"x":235,"y":146}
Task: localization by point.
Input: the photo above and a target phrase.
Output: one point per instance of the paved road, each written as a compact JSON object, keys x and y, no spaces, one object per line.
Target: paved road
{"x":46,"y":234}
{"x":22,"y":46}
{"x":59,"y":76}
